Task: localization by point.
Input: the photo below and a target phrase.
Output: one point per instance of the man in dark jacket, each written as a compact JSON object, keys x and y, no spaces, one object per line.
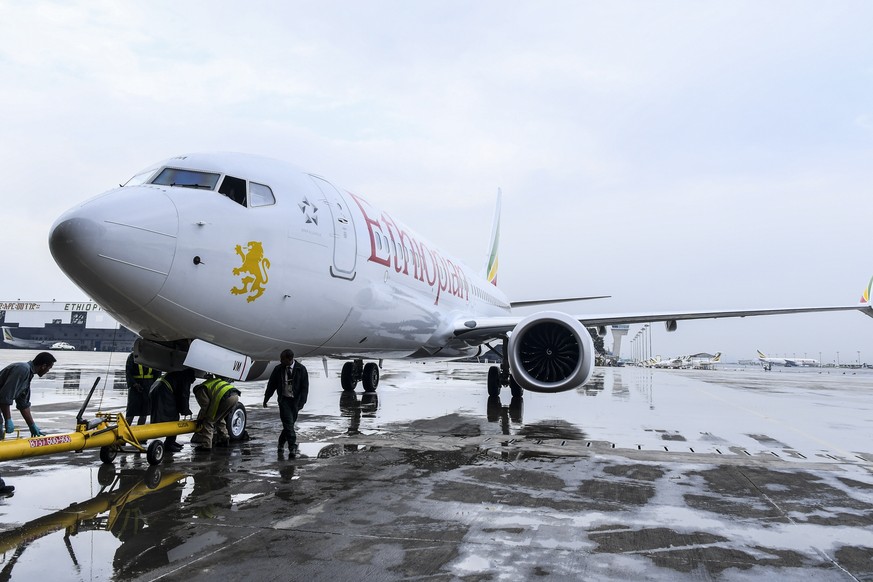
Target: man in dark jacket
{"x":169,"y":396}
{"x":139,"y":380}
{"x":291,"y":381}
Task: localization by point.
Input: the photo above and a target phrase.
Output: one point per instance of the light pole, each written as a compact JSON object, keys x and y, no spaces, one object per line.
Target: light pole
{"x":649,"y":339}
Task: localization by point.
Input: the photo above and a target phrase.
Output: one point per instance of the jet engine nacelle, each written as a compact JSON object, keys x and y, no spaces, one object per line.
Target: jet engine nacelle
{"x":550,"y":352}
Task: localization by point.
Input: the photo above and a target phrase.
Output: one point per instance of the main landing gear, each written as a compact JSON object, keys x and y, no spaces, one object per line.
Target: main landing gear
{"x":356,"y":371}
{"x":499,"y":376}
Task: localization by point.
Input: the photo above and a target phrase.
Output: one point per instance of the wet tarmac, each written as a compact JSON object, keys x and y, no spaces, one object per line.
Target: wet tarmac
{"x":642,"y":475}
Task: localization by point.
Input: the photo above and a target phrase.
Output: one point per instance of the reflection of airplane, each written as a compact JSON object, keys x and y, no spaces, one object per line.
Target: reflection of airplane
{"x":229,"y":258}
{"x":17,"y":342}
{"x":787,"y":362}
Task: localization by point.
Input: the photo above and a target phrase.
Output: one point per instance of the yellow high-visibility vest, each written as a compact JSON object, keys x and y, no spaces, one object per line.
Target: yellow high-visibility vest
{"x":216,"y":388}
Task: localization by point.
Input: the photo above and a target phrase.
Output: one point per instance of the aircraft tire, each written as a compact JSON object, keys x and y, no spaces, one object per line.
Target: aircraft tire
{"x":347,"y":379}
{"x":516,"y":390}
{"x":108,"y":454}
{"x":371,"y":377}
{"x":155,"y":452}
{"x":493,"y":381}
{"x":235,"y":422}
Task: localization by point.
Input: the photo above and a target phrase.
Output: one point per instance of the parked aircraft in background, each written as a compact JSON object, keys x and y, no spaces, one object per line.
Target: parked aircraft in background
{"x":787,"y":362}
{"x":221,"y":261}
{"x":16,"y":342}
{"x":705,"y":361}
{"x":677,"y":363}
{"x":699,"y":361}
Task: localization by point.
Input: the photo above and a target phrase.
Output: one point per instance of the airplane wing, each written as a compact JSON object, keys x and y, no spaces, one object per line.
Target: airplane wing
{"x":484,"y":328}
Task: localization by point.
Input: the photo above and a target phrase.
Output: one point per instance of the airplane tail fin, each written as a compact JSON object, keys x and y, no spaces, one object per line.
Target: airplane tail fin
{"x":717,"y":357}
{"x":491,"y":264}
{"x":7,"y":335}
{"x":761,"y":354}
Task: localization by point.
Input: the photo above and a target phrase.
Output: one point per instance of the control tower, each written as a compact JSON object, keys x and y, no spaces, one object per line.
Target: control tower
{"x":618,"y":332}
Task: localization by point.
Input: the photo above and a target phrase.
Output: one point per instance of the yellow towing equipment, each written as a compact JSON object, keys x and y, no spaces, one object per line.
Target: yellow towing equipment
{"x":109,"y":431}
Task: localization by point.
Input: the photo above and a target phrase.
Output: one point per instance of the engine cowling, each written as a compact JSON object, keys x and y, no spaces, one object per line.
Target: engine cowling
{"x":550,"y":352}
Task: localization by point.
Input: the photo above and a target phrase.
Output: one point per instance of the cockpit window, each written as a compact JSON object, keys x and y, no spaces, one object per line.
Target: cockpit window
{"x":234,"y":188}
{"x":260,"y":195}
{"x":140,"y":178}
{"x":186,"y":179}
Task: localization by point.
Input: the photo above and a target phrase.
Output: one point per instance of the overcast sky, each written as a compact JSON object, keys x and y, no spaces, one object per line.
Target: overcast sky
{"x":674,"y":155}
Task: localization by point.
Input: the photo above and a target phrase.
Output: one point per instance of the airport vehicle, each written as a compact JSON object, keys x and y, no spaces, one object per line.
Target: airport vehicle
{"x":219,"y":261}
{"x":62,"y":346}
{"x":787,"y":362}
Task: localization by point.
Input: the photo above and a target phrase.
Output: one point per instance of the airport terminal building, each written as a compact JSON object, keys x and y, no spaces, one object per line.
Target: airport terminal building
{"x":62,"y":325}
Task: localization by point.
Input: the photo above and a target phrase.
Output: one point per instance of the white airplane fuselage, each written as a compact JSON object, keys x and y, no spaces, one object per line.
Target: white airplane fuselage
{"x":221,"y":261}
{"x":320,"y":270}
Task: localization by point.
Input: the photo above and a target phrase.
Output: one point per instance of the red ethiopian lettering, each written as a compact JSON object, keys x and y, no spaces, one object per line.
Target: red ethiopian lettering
{"x":374,"y":229}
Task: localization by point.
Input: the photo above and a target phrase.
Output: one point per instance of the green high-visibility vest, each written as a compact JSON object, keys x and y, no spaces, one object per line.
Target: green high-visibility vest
{"x":216,"y":388}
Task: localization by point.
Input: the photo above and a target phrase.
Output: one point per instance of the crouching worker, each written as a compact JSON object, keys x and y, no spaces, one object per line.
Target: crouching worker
{"x":216,"y":398}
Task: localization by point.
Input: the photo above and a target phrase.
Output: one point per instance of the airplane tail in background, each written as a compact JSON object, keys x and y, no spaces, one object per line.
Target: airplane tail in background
{"x":491,"y":265}
{"x":717,"y":357}
{"x":7,"y":335}
{"x":761,"y":355}
{"x":865,"y":296}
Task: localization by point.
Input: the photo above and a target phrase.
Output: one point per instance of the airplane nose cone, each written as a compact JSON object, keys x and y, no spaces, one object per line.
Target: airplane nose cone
{"x":118,"y":247}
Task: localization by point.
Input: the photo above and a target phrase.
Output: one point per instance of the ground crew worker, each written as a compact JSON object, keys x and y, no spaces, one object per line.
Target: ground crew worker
{"x":216,"y":398}
{"x":139,"y":380}
{"x":15,"y":387}
{"x":291,"y":381}
{"x":169,"y":396}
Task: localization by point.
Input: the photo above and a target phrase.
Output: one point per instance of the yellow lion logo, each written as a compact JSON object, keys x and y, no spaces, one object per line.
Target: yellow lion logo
{"x":254,"y":270}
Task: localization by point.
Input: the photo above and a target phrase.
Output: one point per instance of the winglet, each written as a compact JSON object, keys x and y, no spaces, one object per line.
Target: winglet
{"x":865,"y":297}
{"x":491,"y":265}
